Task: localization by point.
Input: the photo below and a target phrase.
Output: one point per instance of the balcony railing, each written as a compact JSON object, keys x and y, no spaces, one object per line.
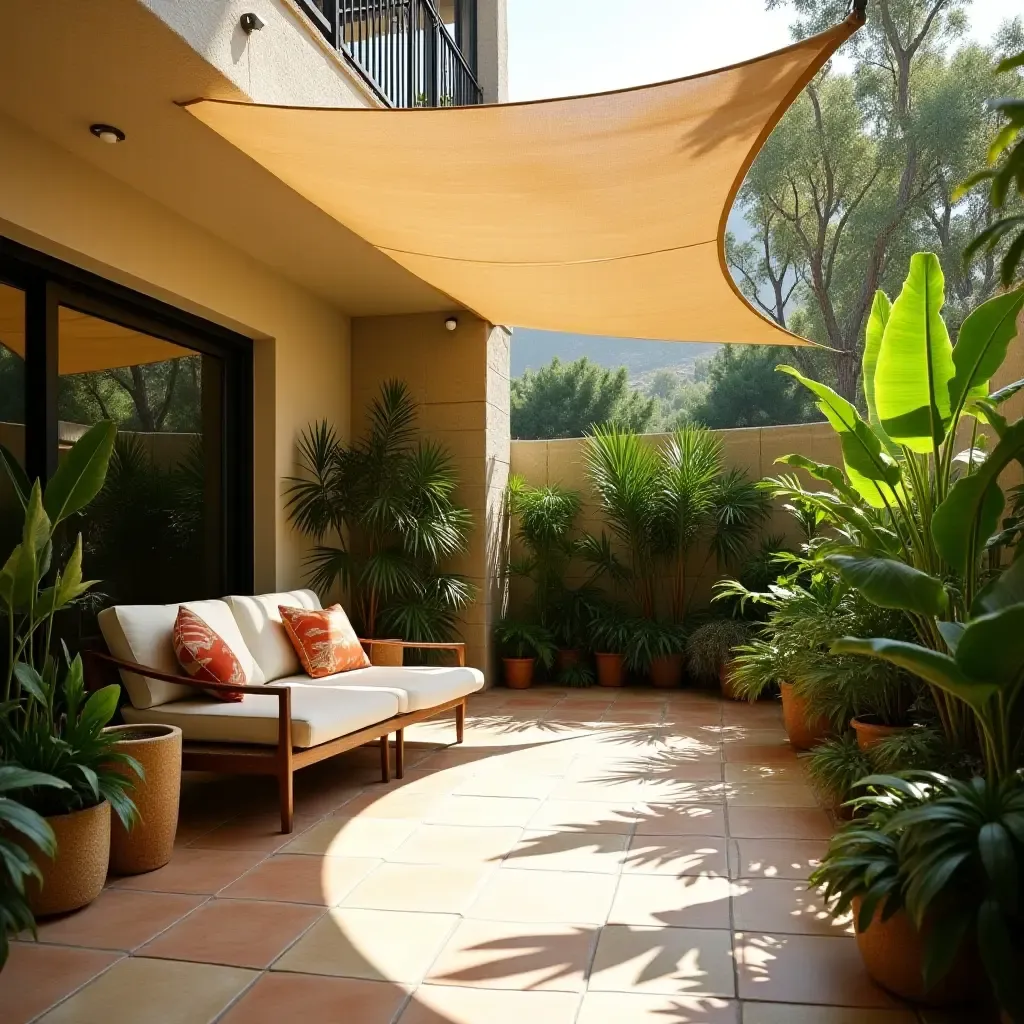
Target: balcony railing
{"x":402,"y":48}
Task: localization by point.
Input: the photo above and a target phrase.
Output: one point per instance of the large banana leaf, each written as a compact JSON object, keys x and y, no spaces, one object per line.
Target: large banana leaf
{"x":915,"y":362}
{"x":872,"y":472}
{"x":890,"y":583}
{"x":81,"y":473}
{"x":992,"y":647}
{"x":981,"y":346}
{"x":879,"y":317}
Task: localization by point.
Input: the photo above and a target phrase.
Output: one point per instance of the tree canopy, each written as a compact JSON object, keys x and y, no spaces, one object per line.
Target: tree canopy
{"x":567,"y":399}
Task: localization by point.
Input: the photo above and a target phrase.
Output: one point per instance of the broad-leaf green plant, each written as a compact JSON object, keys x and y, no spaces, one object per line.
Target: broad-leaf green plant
{"x":525,"y":640}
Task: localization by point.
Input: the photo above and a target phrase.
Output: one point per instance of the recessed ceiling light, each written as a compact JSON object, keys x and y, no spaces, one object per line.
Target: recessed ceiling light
{"x":107,"y":133}
{"x":451,"y":323}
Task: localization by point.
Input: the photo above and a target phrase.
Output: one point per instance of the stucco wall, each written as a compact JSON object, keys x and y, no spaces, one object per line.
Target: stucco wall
{"x":61,"y":205}
{"x":460,"y":381}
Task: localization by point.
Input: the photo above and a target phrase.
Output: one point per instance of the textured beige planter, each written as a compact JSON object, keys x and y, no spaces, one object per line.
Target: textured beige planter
{"x":76,"y":875}
{"x":150,"y":842}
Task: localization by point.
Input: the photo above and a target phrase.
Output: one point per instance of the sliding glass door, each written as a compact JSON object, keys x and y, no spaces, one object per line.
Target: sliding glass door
{"x":174,"y":520}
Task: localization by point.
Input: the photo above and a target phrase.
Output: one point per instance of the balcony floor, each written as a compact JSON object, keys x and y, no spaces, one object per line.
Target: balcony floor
{"x":586,"y":857}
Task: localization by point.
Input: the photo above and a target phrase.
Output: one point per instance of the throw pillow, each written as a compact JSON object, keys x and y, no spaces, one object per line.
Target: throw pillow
{"x":324,"y":640}
{"x":205,"y":656}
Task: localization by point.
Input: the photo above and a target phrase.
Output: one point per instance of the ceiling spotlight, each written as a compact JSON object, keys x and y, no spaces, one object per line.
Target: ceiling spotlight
{"x":107,"y":133}
{"x":451,"y":323}
{"x":250,"y":23}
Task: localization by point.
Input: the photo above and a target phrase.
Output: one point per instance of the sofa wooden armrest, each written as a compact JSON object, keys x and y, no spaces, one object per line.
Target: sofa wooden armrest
{"x":457,"y":646}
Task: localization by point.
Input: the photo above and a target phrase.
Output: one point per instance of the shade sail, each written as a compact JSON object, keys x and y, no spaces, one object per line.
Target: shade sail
{"x":599,"y":214}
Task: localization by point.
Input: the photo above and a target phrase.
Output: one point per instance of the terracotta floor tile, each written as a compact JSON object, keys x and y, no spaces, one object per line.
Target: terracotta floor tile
{"x":627,"y":1008}
{"x":677,"y":855}
{"x":444,"y":1004}
{"x":295,"y":878}
{"x":514,"y":955}
{"x":456,"y":844}
{"x":660,"y":819}
{"x":660,"y":901}
{"x":238,"y":933}
{"x":583,"y":816}
{"x":665,"y":961}
{"x":770,"y":794}
{"x":406,"y":802}
{"x":261,"y":836}
{"x":353,"y":837}
{"x":194,"y":871}
{"x":779,"y":771}
{"x":779,"y":823}
{"x":805,"y":969}
{"x":775,"y":858}
{"x":778,"y":752}
{"x":482,"y":810}
{"x":434,"y":888}
{"x":278,"y":998}
{"x":782,"y":905}
{"x":531,"y":787}
{"x":378,"y":945}
{"x":141,"y":991}
{"x":791,"y":1013}
{"x":601,"y":852}
{"x":36,"y":976}
{"x":754,"y":734}
{"x":118,"y":919}
{"x":552,"y":897}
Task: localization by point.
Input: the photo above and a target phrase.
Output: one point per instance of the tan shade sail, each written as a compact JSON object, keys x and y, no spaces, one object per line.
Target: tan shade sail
{"x":599,"y":214}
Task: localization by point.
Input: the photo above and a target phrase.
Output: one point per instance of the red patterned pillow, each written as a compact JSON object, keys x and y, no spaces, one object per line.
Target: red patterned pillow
{"x":324,"y":640}
{"x":205,"y":656}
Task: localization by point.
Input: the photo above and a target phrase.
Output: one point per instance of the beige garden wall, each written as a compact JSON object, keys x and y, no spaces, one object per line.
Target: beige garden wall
{"x":59,"y":204}
{"x":460,"y":381}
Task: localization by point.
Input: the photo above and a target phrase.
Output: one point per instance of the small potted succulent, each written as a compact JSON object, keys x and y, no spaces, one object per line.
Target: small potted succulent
{"x":522,"y":645}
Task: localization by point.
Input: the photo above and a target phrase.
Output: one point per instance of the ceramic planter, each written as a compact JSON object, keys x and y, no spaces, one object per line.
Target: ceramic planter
{"x":869,"y":733}
{"x":893,"y":952}
{"x":726,"y":683}
{"x":566,"y":657}
{"x":803,"y":730}
{"x":76,"y":875}
{"x":611,"y":669}
{"x":519,"y":672}
{"x":148,"y":845}
{"x":667,"y":671}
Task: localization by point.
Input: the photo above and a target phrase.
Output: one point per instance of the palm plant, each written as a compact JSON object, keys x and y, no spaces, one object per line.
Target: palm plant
{"x":383,"y":519}
{"x":525,"y":640}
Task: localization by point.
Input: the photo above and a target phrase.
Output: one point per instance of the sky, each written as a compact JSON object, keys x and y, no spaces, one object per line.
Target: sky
{"x":571,"y":47}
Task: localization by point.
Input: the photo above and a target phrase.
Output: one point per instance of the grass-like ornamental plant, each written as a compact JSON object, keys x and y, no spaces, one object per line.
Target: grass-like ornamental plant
{"x":525,"y":640}
{"x":712,"y":644}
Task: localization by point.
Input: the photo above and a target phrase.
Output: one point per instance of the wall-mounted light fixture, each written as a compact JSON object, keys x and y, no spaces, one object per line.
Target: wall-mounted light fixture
{"x":107,"y":133}
{"x":451,"y":323}
{"x":250,"y":23}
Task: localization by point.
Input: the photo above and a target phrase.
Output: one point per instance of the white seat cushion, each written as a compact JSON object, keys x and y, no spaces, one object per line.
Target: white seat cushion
{"x":259,"y":622}
{"x":416,"y":688}
{"x":143,"y":633}
{"x":317,"y":716}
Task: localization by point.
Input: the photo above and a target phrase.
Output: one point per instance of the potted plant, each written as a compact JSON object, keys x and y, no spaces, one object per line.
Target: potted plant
{"x":17,"y":865}
{"x":657,"y":648}
{"x":711,"y":649}
{"x":47,"y":725}
{"x":611,"y":632}
{"x":523,"y":644}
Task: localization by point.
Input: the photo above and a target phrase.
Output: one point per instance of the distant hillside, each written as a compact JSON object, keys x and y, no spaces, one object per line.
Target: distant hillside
{"x":533,"y":349}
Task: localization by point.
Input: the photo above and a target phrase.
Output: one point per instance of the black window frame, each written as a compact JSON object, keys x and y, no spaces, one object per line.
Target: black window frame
{"x":49,"y":283}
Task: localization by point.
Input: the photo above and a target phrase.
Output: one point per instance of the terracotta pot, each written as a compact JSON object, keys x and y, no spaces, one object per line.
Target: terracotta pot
{"x":76,"y":875}
{"x":726,"y":683}
{"x":388,"y":655}
{"x":150,"y":842}
{"x":567,"y":657}
{"x":667,"y":671}
{"x":893,"y":952}
{"x":869,"y":733}
{"x":519,"y":672}
{"x":611,"y":669}
{"x":803,"y":731}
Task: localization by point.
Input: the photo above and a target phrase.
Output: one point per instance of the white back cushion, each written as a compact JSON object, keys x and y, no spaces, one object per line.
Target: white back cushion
{"x":259,"y":623}
{"x":143,"y":633}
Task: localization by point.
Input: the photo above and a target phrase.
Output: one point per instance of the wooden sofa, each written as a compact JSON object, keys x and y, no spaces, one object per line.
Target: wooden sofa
{"x":286,"y":720}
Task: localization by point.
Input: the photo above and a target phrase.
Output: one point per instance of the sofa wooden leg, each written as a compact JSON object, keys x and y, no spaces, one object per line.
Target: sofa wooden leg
{"x":286,"y":797}
{"x":385,"y":758}
{"x":460,"y":722}
{"x":400,"y":754}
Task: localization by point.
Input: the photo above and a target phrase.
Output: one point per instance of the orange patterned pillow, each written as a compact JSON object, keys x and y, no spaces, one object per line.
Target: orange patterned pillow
{"x":205,"y":656}
{"x":324,"y":640}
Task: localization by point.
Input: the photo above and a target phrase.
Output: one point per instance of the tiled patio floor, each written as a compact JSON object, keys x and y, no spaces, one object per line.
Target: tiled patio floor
{"x":597,"y":857}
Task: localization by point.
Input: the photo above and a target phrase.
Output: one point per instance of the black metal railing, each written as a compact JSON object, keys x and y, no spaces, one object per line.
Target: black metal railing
{"x":403,"y":49}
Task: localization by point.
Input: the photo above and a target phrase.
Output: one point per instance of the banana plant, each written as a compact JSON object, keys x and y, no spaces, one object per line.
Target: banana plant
{"x":917,"y":499}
